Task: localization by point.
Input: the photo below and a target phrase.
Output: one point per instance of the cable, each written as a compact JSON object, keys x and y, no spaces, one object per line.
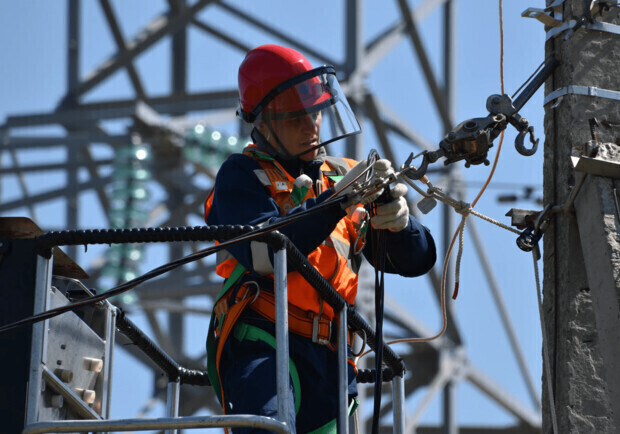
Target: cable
{"x":465,"y":210}
{"x":171,"y":265}
{"x":546,"y":358}
{"x":379,"y":247}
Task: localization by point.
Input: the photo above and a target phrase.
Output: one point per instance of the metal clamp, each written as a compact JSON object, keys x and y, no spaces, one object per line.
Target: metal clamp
{"x":529,"y":238}
{"x":572,"y":89}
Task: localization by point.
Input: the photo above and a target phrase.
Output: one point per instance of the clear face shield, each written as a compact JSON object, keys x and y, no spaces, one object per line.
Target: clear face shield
{"x":307,"y":112}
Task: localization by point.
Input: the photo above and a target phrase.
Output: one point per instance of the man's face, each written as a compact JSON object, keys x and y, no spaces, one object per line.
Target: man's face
{"x":296,"y":134}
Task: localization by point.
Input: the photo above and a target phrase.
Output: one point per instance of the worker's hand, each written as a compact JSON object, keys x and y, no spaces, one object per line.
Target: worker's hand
{"x":347,"y":185}
{"x":393,"y":215}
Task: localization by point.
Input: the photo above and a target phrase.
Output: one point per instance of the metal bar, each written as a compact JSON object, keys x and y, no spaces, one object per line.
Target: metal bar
{"x":282,"y":353}
{"x":158,"y":424}
{"x":38,"y":352}
{"x":400,"y":127}
{"x":343,"y":377}
{"x":54,"y":194}
{"x":259,"y":24}
{"x":502,"y":397}
{"x":156,"y":30}
{"x":449,"y":414}
{"x":94,"y":174}
{"x":51,"y":166}
{"x":371,"y":111}
{"x":441,"y":378}
{"x":172,"y":401}
{"x":73,"y":45}
{"x":503,"y":312}
{"x":426,"y":65}
{"x":109,"y":351}
{"x":221,"y":35}
{"x":22,"y":185}
{"x":120,"y":43}
{"x":449,"y":56}
{"x":72,"y":140}
{"x":398,"y":397}
{"x":73,"y":77}
{"x":385,"y":42}
{"x":163,"y":338}
{"x":538,"y":80}
{"x":353,"y":36}
{"x":226,"y":99}
{"x":179,"y":52}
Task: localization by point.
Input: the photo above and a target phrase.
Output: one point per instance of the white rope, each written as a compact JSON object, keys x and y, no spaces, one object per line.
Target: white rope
{"x":465,"y":210}
{"x":547,"y":363}
{"x":459,"y":255}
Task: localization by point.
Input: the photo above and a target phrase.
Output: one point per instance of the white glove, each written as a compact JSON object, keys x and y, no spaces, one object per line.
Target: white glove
{"x":393,"y":215}
{"x":382,"y":169}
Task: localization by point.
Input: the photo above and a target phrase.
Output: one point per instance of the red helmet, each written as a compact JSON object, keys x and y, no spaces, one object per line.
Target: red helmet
{"x":272,"y":79}
{"x":279,"y":82}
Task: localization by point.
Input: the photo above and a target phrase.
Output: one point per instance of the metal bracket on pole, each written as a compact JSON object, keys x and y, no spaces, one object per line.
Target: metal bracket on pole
{"x":572,"y":89}
{"x":549,"y":16}
{"x":595,"y":25}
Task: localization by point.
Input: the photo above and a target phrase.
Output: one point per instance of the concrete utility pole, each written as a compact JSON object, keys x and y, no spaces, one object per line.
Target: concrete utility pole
{"x":582,"y":244}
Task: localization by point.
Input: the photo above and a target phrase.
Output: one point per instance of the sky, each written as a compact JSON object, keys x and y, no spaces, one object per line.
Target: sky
{"x":32,"y":72}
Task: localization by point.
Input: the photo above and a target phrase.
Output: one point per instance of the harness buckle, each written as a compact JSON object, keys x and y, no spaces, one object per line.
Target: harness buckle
{"x":316,"y":325}
{"x":247,"y":290}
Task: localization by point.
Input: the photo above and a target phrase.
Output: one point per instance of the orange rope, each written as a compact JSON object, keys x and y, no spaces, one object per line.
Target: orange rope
{"x":501,"y":138}
{"x":461,"y":227}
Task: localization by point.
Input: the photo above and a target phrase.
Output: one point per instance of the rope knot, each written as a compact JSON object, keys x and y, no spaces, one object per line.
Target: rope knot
{"x":463,"y":208}
{"x":433,"y":190}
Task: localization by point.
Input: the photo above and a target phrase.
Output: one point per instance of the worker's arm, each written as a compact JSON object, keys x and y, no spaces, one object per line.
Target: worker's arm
{"x":240,"y":198}
{"x":409,"y":252}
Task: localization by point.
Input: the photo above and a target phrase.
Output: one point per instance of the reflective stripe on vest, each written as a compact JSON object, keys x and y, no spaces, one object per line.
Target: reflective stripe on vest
{"x":333,"y":258}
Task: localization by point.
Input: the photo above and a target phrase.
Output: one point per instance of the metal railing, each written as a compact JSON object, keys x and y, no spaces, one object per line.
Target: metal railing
{"x":285,"y":254}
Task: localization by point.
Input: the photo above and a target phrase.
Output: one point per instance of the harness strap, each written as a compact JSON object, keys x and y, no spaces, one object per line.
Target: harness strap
{"x":246,"y":331}
{"x":301,"y":322}
{"x":331,"y":427}
{"x":219,"y":314}
{"x":229,"y":322}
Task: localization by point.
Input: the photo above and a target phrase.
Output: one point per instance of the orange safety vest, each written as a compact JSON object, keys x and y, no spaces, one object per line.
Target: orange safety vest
{"x":333,"y":258}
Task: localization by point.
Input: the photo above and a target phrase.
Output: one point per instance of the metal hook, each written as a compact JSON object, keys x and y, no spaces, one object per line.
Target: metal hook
{"x":520,"y":147}
{"x":412,"y":172}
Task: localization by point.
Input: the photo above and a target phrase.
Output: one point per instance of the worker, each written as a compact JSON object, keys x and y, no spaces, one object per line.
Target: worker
{"x":295,"y":110}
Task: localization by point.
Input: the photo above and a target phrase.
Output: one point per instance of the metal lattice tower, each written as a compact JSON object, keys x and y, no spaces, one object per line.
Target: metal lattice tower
{"x":94,"y":130}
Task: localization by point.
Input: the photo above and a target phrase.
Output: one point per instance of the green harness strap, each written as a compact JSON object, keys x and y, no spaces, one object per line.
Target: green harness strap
{"x":246,"y":331}
{"x":331,"y":427}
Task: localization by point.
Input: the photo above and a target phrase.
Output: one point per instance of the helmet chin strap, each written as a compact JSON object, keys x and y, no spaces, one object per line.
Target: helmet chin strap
{"x":263,"y":143}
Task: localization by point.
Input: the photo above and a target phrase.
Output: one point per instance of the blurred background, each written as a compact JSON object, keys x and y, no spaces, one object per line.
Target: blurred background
{"x":117,"y":114}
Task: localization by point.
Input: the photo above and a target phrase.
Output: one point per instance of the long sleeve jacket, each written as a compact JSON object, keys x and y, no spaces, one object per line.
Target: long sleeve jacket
{"x":240,"y":198}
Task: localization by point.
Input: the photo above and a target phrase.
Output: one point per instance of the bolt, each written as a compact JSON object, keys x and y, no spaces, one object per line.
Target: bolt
{"x":451,"y":135}
{"x":495,"y":100}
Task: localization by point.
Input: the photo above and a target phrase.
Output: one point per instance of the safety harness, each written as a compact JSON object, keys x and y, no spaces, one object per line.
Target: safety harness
{"x":242,"y":290}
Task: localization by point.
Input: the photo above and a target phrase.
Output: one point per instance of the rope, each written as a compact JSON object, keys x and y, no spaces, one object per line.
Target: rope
{"x":546,"y":359}
{"x":465,"y":210}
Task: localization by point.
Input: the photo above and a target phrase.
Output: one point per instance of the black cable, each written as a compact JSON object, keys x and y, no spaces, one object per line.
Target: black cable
{"x":53,"y":239}
{"x":379,"y":297}
{"x":73,"y":238}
